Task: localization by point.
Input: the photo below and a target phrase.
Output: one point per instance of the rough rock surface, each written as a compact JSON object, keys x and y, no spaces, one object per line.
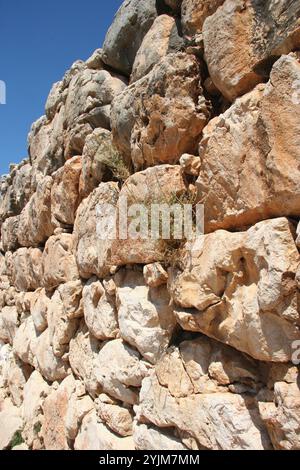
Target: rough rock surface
{"x":161,"y":116}
{"x":243,"y":38}
{"x":117,"y":337}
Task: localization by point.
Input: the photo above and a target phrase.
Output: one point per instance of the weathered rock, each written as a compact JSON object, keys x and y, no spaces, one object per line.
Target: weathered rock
{"x":78,"y":408}
{"x":99,"y":311}
{"x":94,"y":435}
{"x":155,"y":275}
{"x":65,"y":192}
{"x":25,"y":341}
{"x":9,"y":234}
{"x":84,"y":349}
{"x":26,"y":269}
{"x":158,"y":185}
{"x":97,"y":150}
{"x":62,"y":327}
{"x":195,"y":12}
{"x":187,"y":401}
{"x":15,"y":374}
{"x":11,"y":423}
{"x":59,"y":264}
{"x":35,"y":392}
{"x":250,"y":154}
{"x":50,"y":366}
{"x":119,"y":371}
{"x":282,"y":418}
{"x":35,"y":220}
{"x":55,"y":409}
{"x":152,"y":438}
{"x":146,"y":319}
{"x":162,"y":39}
{"x":124,"y":38}
{"x":39,"y":307}
{"x":117,"y":418}
{"x":9,"y":323}
{"x":239,"y":288}
{"x":85,"y":230}
{"x":242,"y":38}
{"x":190,"y":164}
{"x":161,"y":116}
{"x":45,"y":143}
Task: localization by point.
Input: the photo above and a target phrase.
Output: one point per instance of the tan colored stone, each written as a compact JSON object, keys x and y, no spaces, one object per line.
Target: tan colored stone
{"x":84,"y":349}
{"x":119,"y":371}
{"x":25,"y":342}
{"x":26,"y":269}
{"x":250,"y":154}
{"x":15,"y":374}
{"x":9,"y":233}
{"x":35,"y":220}
{"x":99,"y":311}
{"x":161,"y":39}
{"x":35,"y":391}
{"x":9,"y":323}
{"x":39,"y":307}
{"x":117,"y":418}
{"x":148,"y":437}
{"x":85,"y":230}
{"x":59,"y":265}
{"x":65,"y":192}
{"x":55,"y":409}
{"x":94,"y":435}
{"x":146,"y":319}
{"x":78,"y":408}
{"x":161,"y":116}
{"x":195,"y":12}
{"x":50,"y":366}
{"x":11,"y":423}
{"x":190,"y":164}
{"x":240,"y":290}
{"x":282,"y":418}
{"x":155,"y":275}
{"x":238,"y":51}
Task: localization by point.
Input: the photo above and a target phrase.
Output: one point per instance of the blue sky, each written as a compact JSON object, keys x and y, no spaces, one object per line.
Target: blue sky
{"x":38,"y":43}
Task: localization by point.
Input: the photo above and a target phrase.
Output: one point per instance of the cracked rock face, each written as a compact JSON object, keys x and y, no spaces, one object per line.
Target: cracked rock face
{"x":161,"y":116}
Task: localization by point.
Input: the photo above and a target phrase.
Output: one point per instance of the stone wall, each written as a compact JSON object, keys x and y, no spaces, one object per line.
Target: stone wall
{"x":133,"y":344}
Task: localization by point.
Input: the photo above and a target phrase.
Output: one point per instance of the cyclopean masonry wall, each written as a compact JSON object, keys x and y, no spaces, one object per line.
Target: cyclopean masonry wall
{"x":130,"y":344}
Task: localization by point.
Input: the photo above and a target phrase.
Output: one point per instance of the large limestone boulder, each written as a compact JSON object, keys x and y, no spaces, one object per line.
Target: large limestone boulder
{"x":161,"y":116}
{"x":250,"y":154}
{"x":162,"y":38}
{"x":99,"y":311}
{"x":240,"y":289}
{"x":145,"y":316}
{"x":9,"y":322}
{"x":85,"y":230}
{"x":65,"y":192}
{"x":35,"y":391}
{"x":45,"y":144}
{"x":39,"y":307}
{"x":25,"y":342}
{"x":78,"y":407}
{"x":282,"y":417}
{"x":202,"y":412}
{"x":55,"y":409}
{"x":35,"y":224}
{"x":195,"y":12}
{"x":124,"y":38}
{"x":11,"y":424}
{"x":51,"y":367}
{"x":116,"y":418}
{"x":119,"y":371}
{"x":148,"y":437}
{"x":162,"y":184}
{"x":25,"y":267}
{"x":15,"y":375}
{"x":238,"y":51}
{"x":9,"y":234}
{"x":83,"y":352}
{"x":59,"y":264}
{"x":94,"y":435}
